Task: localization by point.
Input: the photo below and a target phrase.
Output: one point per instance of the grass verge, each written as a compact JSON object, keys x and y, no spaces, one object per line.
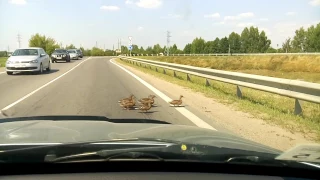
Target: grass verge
{"x":3,"y":61}
{"x":274,"y":109}
{"x":304,"y":67}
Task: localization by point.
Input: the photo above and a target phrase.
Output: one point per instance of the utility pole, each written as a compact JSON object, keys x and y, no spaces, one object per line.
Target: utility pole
{"x":104,"y":47}
{"x":168,"y":42}
{"x":19,"y":40}
{"x":120,"y":46}
{"x":113,"y":49}
{"x":96,"y":44}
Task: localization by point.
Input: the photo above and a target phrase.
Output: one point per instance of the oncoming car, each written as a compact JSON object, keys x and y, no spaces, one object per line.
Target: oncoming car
{"x":60,"y":55}
{"x":28,"y":60}
{"x":73,"y":54}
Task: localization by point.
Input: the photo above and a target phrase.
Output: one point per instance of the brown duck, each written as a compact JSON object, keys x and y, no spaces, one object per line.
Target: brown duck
{"x":128,"y":104}
{"x":126,"y":99}
{"x":145,"y":107}
{"x":147,"y":100}
{"x":177,"y":102}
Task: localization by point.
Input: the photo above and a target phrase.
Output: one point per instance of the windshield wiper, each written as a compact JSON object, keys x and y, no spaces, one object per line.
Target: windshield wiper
{"x":106,"y":155}
{"x":80,"y":118}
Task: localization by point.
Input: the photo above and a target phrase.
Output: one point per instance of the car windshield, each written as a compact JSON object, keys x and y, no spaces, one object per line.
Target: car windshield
{"x":240,"y":75}
{"x":60,"y":51}
{"x":25,"y":52}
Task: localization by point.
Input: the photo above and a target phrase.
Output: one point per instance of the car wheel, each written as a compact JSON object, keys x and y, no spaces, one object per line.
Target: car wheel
{"x":41,"y":69}
{"x":49,"y":67}
{"x":9,"y":73}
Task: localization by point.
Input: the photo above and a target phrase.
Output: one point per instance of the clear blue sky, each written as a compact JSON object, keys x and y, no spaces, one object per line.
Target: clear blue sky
{"x":83,"y":22}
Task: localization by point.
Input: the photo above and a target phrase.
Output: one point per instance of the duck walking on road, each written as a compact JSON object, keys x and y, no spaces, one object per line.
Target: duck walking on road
{"x":145,"y":107}
{"x":127,"y":99}
{"x":148,"y":99}
{"x":177,"y":102}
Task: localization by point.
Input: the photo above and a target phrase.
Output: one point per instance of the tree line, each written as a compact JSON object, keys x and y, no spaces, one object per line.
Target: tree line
{"x":49,"y":45}
{"x":251,"y":40}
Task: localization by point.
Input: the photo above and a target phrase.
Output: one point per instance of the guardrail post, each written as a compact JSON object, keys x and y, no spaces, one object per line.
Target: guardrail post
{"x":174,"y":74}
{"x":145,"y":66}
{"x":150,"y":67}
{"x":140,"y":64}
{"x":188,"y":77}
{"x":239,"y":92}
{"x":164,"y":71}
{"x":207,"y":82}
{"x":156,"y":69}
{"x":297,"y":107}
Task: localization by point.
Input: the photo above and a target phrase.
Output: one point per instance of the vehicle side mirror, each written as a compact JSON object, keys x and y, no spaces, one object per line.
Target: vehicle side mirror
{"x":41,"y":55}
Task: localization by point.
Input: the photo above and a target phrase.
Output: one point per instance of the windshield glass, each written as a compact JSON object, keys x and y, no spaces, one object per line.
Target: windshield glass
{"x":60,"y":51}
{"x":72,"y":51}
{"x":240,"y":75}
{"x":25,"y":52}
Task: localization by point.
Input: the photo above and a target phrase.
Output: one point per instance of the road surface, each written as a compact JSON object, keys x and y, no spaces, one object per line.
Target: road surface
{"x":84,"y":87}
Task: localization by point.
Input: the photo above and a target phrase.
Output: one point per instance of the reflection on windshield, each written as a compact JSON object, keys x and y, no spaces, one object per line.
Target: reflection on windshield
{"x":25,"y":52}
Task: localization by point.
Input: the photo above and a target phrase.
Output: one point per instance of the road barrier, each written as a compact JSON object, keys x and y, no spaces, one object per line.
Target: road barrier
{"x":299,"y":90}
{"x":233,"y":54}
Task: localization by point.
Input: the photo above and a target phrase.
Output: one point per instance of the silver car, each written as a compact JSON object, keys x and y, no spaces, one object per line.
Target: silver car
{"x":73,"y":54}
{"x":28,"y":59}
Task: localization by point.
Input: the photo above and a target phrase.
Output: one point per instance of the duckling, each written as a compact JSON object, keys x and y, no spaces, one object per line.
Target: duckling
{"x":177,"y":102}
{"x":126,"y":99}
{"x":146,"y":100}
{"x":128,"y":104}
{"x":145,"y":107}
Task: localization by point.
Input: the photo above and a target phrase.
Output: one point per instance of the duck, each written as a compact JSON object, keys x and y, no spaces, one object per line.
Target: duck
{"x":176,"y":102}
{"x":148,"y":99}
{"x":127,"y":99}
{"x":128,"y":104}
{"x":145,"y":107}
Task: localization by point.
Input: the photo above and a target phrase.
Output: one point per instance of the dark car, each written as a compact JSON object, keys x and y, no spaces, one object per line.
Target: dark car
{"x":60,"y":55}
{"x":80,"y":54}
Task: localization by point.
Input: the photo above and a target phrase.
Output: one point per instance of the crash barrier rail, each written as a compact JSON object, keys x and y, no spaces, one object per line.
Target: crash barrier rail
{"x":299,"y":90}
{"x":231,"y":54}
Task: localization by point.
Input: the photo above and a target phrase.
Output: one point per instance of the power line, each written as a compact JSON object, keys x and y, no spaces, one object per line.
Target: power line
{"x":168,"y":42}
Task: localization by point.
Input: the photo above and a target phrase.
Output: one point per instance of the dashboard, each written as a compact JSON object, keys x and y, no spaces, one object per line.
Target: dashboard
{"x":143,"y":176}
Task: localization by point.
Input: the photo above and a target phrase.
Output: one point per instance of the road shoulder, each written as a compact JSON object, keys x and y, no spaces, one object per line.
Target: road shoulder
{"x":238,"y":122}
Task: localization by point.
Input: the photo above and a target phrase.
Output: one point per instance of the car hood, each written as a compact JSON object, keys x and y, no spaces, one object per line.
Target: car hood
{"x":22,"y":58}
{"x":37,"y":131}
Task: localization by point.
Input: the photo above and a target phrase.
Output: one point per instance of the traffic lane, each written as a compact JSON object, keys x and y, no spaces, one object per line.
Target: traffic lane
{"x":94,"y":88}
{"x":15,"y":86}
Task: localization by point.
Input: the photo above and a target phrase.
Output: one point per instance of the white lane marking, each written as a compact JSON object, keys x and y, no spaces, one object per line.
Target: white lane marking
{"x":193,"y":118}
{"x":2,"y":72}
{"x":43,"y":86}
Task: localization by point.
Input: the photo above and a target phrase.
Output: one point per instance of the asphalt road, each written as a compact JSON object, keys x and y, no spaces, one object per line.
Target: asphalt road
{"x":91,"y":88}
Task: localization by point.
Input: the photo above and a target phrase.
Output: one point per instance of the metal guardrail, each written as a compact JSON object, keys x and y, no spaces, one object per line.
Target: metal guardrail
{"x":235,"y":54}
{"x":299,"y":90}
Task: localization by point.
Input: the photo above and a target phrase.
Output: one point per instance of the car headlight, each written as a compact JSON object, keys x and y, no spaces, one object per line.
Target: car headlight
{"x":52,"y":55}
{"x":64,"y":55}
{"x":34,"y":61}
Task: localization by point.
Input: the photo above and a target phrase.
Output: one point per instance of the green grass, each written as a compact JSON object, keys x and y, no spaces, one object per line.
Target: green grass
{"x":3,"y":61}
{"x":274,"y":109}
{"x":304,"y":67}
